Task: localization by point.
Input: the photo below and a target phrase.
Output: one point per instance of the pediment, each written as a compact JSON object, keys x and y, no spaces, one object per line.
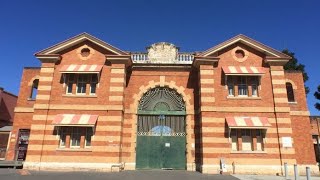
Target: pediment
{"x":268,"y":51}
{"x":57,"y":48}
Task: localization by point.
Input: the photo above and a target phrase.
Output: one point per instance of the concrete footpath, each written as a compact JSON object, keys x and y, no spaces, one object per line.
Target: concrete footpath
{"x":270,"y":177}
{"x":14,"y":174}
{"x":10,"y":174}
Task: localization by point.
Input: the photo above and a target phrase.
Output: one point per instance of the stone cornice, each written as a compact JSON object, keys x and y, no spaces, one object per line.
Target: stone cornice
{"x":48,"y":58}
{"x":200,"y":60}
{"x":276,"y":61}
{"x":119,"y":59}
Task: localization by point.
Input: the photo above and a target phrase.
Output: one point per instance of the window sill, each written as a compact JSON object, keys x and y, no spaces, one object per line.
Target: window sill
{"x":79,"y":96}
{"x":244,"y":97}
{"x":293,"y":102}
{"x":31,"y":99}
{"x":248,"y":152}
{"x":74,"y":149}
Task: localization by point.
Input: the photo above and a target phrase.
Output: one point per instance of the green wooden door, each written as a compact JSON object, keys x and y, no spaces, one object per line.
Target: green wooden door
{"x":173,"y":151}
{"x":161,"y":152}
{"x":161,"y":137}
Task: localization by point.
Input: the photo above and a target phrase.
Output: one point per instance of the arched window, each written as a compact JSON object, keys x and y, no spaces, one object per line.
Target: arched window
{"x":34,"y":90}
{"x":290,"y":93}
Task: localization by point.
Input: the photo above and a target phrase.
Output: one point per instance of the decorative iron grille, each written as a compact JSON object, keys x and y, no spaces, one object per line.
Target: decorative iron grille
{"x":161,"y":99}
{"x":152,"y":125}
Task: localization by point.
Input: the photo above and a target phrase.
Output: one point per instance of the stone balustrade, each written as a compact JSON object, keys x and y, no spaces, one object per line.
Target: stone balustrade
{"x":183,"y":58}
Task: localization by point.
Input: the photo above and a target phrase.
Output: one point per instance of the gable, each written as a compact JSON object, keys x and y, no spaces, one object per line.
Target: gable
{"x":250,"y":57}
{"x":57,"y":48}
{"x":268,"y":51}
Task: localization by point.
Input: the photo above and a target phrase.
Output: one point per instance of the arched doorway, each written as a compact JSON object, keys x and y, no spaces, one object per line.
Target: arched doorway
{"x":161,"y":130}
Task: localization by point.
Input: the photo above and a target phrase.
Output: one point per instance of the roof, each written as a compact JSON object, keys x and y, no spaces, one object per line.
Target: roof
{"x":6,"y":129}
{"x":76,"y":40}
{"x":6,"y":92}
{"x":248,"y":41}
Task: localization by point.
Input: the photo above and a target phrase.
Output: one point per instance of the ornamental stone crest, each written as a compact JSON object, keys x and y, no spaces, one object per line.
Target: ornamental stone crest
{"x":163,"y":53}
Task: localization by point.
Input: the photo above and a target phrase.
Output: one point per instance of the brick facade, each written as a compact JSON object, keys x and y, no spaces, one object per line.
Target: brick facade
{"x":201,"y":84}
{"x":7,"y":103}
{"x":315,"y":132}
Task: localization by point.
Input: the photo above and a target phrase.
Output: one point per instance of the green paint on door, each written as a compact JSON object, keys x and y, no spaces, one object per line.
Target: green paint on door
{"x":161,"y":137}
{"x":157,"y":152}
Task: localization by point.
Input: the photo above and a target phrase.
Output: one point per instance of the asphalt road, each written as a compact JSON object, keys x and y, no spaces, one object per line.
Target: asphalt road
{"x":11,"y":174}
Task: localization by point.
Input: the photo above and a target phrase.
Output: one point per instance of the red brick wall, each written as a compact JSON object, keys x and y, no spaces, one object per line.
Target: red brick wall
{"x":314,"y":122}
{"x":301,"y":126}
{"x":8,"y":102}
{"x":28,"y":76}
{"x":299,"y":93}
{"x":303,"y":143}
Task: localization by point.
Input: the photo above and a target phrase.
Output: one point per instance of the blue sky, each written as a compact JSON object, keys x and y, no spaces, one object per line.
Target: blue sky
{"x":29,"y":26}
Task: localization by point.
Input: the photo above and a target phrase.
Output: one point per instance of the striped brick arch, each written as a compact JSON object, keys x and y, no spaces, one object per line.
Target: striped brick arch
{"x":161,"y":83}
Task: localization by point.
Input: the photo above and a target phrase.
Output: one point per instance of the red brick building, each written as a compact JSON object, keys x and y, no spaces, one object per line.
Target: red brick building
{"x":7,"y":104}
{"x":315,"y":132}
{"x":94,"y":105}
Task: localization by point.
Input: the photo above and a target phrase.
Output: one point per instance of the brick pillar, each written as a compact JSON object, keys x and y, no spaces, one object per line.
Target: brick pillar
{"x":207,"y":102}
{"x":116,"y":99}
{"x":282,"y":111}
{"x":206,"y":86}
{"x":40,"y":119}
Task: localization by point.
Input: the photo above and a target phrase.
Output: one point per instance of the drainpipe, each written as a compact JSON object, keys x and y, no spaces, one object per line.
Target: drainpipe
{"x":318,"y":154}
{"x":276,"y":117}
{"x":47,"y":113}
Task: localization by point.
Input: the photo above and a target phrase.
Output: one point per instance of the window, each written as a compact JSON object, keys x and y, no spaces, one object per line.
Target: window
{"x":89,"y":134}
{"x":243,"y":86}
{"x":290,"y":93}
{"x":63,"y":136}
{"x":230,"y":86}
{"x":70,"y":82}
{"x":81,"y":81}
{"x":248,"y":138}
{"x":75,"y":137}
{"x":259,"y":140}
{"x":34,"y":90}
{"x":85,"y":52}
{"x":254,"y":86}
{"x":93,"y":84}
{"x":234,"y":139}
{"x":239,"y":54}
